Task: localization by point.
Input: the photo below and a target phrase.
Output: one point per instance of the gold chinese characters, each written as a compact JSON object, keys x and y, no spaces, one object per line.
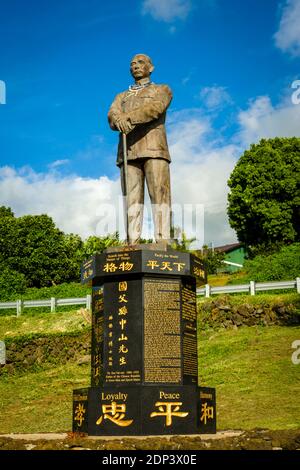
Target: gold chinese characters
{"x":79,"y":414}
{"x":115,"y":413}
{"x":113,"y":267}
{"x":122,"y":338}
{"x":165,"y":265}
{"x":207,"y":412}
{"x":169,"y":409}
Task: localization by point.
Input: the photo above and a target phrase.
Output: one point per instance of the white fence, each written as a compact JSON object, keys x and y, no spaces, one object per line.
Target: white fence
{"x":19,"y":305}
{"x":252,"y":288}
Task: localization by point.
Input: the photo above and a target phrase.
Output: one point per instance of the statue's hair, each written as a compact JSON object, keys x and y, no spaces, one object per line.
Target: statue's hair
{"x":147,"y":57}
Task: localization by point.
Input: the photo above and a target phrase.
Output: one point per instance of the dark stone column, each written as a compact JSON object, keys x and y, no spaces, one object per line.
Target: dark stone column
{"x":144,"y":377}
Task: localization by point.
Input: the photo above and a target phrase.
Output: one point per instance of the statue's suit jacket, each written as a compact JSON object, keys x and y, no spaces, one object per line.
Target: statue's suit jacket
{"x":146,"y":110}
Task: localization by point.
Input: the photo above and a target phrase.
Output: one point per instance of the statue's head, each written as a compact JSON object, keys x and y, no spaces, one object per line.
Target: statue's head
{"x":141,"y":66}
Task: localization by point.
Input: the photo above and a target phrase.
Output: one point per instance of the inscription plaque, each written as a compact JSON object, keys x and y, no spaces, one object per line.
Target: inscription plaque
{"x":189,"y":335}
{"x":162,"y":331}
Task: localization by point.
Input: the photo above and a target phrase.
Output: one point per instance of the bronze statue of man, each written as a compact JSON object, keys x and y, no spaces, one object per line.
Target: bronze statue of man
{"x":140,"y":113}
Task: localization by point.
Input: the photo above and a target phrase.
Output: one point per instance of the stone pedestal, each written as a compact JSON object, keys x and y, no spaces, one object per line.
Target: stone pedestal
{"x":144,"y":377}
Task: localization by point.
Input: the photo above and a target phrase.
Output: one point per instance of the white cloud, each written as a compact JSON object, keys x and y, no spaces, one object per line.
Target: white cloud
{"x":287,"y":38}
{"x":201,"y":166}
{"x":215,"y":97}
{"x":167,"y":10}
{"x":72,"y":201}
{"x":263,"y":120}
{"x":58,"y":163}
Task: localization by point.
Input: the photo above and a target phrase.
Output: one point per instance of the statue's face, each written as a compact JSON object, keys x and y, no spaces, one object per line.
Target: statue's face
{"x":140,"y":67}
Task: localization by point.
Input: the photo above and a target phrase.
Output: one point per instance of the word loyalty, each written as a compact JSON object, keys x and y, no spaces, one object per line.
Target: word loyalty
{"x":114,"y":396}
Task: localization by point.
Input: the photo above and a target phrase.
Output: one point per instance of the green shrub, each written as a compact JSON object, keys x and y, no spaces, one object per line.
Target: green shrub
{"x":281,"y":266}
{"x":65,"y":290}
{"x":12,"y":284}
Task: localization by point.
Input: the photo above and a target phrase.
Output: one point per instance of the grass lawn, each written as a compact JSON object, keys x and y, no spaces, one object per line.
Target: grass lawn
{"x":223,"y":279}
{"x":40,"y":401}
{"x":59,"y":322}
{"x":257,"y":384}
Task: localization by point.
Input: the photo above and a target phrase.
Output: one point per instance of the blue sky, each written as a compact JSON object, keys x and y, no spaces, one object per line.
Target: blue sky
{"x":229,"y":63}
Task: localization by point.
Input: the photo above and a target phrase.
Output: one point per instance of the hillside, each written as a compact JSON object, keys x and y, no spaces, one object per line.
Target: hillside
{"x":250,"y":366}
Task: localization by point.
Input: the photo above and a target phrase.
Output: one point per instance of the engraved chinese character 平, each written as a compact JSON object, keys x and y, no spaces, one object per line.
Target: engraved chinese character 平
{"x":123,"y":310}
{"x":79,"y":413}
{"x":126,"y":266}
{"x":122,"y":286}
{"x":169,"y":409}
{"x":153,"y":264}
{"x":207,"y":412}
{"x":115,"y":413}
{"x":110,"y":267}
{"x":122,"y":298}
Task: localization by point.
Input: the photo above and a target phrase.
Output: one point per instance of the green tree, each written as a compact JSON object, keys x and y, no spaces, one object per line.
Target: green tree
{"x":94,"y":244}
{"x":36,"y":249}
{"x":6,"y":212}
{"x":41,"y":253}
{"x":181,"y":244}
{"x":264,"y":198}
{"x":212,"y":259}
{"x":74,"y":249}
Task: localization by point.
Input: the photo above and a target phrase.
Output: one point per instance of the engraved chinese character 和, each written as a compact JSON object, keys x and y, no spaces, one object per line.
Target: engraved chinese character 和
{"x":207,"y":412}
